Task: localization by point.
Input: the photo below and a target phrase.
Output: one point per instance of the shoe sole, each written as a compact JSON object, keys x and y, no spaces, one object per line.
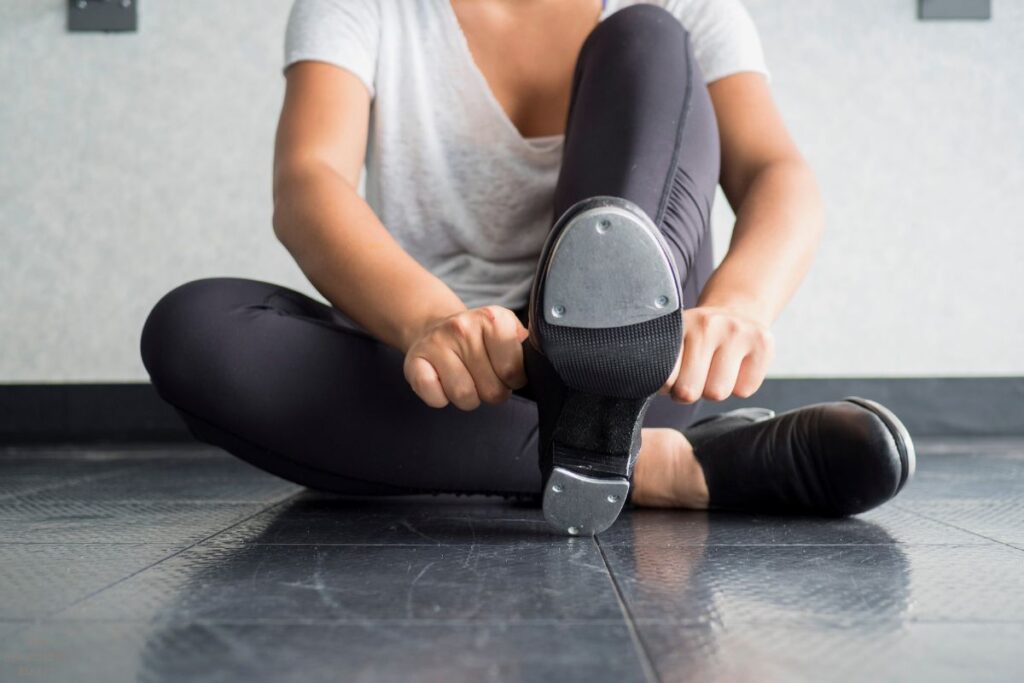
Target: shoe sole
{"x":900,"y":434}
{"x":607,"y":315}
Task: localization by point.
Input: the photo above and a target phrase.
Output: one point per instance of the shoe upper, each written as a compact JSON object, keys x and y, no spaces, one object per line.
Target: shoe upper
{"x":833,"y":459}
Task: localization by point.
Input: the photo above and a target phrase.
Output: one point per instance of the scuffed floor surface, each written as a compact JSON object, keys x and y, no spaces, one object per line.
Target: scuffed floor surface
{"x":154,"y":565}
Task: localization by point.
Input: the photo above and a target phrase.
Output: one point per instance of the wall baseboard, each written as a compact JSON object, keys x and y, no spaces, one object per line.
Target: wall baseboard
{"x":121,"y":413}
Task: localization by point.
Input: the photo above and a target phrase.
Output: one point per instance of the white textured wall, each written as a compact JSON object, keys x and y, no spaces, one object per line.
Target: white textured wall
{"x":916,"y":131}
{"x":131,"y":163}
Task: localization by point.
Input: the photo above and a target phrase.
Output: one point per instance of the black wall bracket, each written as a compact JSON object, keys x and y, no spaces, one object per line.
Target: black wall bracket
{"x":103,"y":15}
{"x":954,"y":9}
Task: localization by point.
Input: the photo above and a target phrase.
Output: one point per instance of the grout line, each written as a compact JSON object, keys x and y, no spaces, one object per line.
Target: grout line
{"x":650,"y":673}
{"x":959,"y":528}
{"x":168,"y":557}
{"x":6,"y":498}
{"x":497,"y":621}
{"x":341,"y":621}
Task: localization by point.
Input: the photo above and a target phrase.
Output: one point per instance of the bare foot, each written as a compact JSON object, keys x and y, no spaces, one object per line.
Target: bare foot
{"x":667,"y":474}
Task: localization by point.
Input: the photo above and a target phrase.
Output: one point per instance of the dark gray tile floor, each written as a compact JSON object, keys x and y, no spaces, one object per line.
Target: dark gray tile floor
{"x":154,"y":564}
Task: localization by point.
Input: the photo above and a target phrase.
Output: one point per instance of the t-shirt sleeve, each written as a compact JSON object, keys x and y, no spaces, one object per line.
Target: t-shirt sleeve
{"x":345,"y":33}
{"x":725,"y":39}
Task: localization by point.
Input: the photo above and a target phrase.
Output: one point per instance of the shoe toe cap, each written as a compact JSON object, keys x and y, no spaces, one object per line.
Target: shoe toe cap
{"x":864,"y":464}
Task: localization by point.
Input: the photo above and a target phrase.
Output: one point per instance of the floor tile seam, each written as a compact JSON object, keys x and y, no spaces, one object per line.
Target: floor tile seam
{"x":342,"y":621}
{"x":157,"y":504}
{"x":100,"y":543}
{"x":125,"y":451}
{"x":824,"y":623}
{"x":994,"y":450}
{"x":960,"y":528}
{"x":495,"y":621}
{"x":907,"y":544}
{"x":97,"y":544}
{"x":55,"y":486}
{"x":184,"y":502}
{"x":646,"y":661}
{"x":149,"y":566}
{"x":726,"y":622}
{"x":511,"y":545}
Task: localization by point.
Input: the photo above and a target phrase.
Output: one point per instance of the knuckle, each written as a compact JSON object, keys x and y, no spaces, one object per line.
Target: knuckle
{"x":493,"y":395}
{"x":507,"y":373}
{"x":463,"y":393}
{"x":459,"y":327}
{"x":496,"y":319}
{"x":714,"y":393}
{"x":763,"y":337}
{"x":686,"y":394}
{"x":466,"y":402}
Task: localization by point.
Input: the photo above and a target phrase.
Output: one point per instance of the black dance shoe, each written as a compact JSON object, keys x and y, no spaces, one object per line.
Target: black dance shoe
{"x":606,"y":326}
{"x":829,"y":459}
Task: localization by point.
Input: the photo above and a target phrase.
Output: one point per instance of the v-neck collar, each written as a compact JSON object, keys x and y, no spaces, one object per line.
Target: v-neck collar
{"x":539,"y":144}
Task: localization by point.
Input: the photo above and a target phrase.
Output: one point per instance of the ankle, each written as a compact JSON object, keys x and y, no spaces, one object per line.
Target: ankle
{"x":667,"y":474}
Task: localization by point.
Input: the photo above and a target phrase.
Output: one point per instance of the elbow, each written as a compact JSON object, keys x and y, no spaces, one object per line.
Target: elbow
{"x":796,"y":181}
{"x":280,"y":222}
{"x":283,"y":217}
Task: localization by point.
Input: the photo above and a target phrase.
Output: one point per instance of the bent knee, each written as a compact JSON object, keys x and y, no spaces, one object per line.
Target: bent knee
{"x":181,"y":333}
{"x":642,"y":26}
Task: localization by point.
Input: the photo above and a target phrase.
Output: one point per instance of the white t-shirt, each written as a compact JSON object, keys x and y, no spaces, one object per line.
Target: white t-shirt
{"x":447,"y":172}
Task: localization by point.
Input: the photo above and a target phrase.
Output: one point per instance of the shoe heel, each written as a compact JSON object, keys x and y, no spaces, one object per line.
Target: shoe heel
{"x":593,"y":447}
{"x":580,"y":505}
{"x":606,"y":313}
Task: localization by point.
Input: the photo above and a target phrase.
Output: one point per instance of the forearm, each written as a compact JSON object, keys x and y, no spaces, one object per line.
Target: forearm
{"x":778,"y":227}
{"x":352,"y":260}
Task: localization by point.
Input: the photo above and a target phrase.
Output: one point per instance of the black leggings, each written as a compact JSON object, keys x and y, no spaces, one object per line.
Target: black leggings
{"x":292,"y":386}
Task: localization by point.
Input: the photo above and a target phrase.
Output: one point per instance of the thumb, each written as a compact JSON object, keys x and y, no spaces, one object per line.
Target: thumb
{"x":424,"y":380}
{"x":521,"y":333}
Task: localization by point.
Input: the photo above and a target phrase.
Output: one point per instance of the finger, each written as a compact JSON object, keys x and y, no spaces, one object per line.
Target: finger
{"x":698,"y":349}
{"x":755,"y":366}
{"x":456,"y":379}
{"x":523,"y":333}
{"x":725,"y":366}
{"x":751,"y":375}
{"x":425,"y":383}
{"x":489,"y":387}
{"x":503,"y":342}
{"x":673,"y":376}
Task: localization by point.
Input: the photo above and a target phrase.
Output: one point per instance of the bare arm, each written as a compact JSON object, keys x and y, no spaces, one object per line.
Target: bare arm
{"x":451,"y":354}
{"x":727,"y":344}
{"x":331,"y":232}
{"x":779,"y":215}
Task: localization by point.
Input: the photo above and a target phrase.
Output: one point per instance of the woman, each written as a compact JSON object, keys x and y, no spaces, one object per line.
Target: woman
{"x":443,"y":363}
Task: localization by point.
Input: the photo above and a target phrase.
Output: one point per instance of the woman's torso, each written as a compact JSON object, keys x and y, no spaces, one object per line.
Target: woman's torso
{"x":465,"y":130}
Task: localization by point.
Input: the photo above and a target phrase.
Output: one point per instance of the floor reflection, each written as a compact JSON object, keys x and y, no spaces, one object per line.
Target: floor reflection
{"x":459,"y":565}
{"x":692,"y":598}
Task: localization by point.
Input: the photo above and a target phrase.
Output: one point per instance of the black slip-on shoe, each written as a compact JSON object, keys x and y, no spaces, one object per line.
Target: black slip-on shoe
{"x":606,"y":326}
{"x":828,"y":459}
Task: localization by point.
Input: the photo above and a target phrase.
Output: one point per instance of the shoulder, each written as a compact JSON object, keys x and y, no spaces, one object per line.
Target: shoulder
{"x":709,"y":15}
{"x":725,"y":39}
{"x":332,"y":10}
{"x":340,"y":32}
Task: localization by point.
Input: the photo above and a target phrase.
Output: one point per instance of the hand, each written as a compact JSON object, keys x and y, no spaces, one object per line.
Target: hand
{"x":724,"y":353}
{"x":466,"y":358}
